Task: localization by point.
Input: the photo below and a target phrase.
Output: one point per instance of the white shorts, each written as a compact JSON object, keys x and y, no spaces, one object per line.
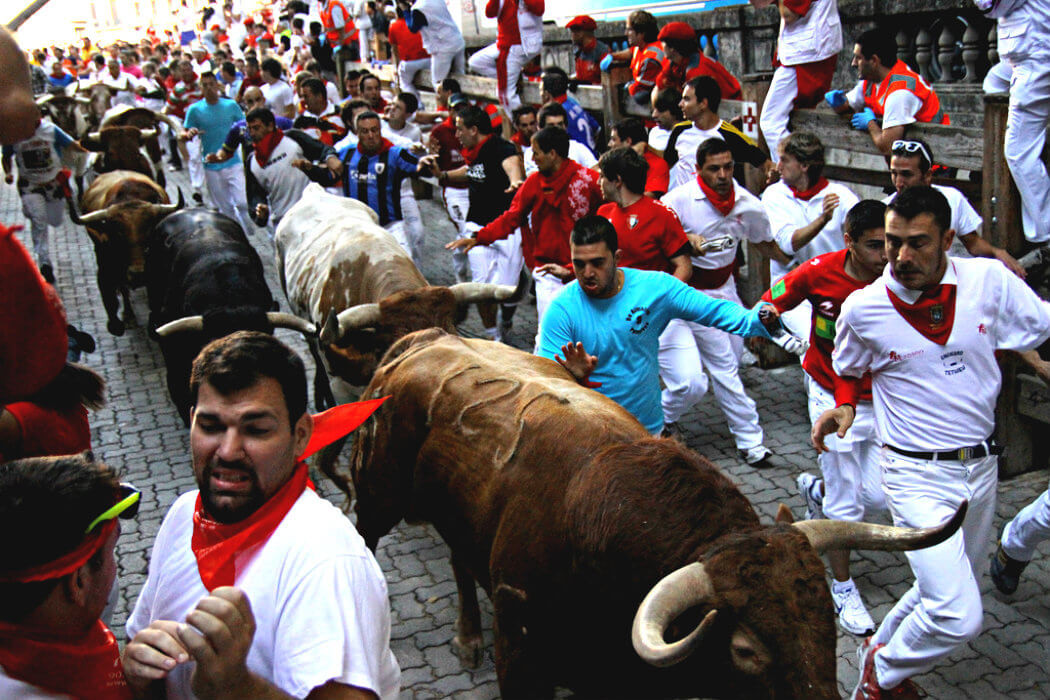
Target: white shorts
{"x":498,"y":263}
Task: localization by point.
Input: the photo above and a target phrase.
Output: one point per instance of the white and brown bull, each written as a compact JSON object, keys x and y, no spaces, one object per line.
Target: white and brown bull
{"x":562,"y":507}
{"x":340,"y":269}
{"x":119,"y":210}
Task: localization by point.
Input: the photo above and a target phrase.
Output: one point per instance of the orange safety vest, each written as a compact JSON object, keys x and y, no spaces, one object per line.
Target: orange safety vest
{"x":337,"y":37}
{"x":639,"y":56}
{"x":903,"y":78}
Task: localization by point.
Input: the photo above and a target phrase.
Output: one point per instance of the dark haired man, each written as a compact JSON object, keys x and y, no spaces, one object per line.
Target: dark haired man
{"x":928,"y":331}
{"x":685,"y":61}
{"x":888,"y":92}
{"x":910,"y":165}
{"x":280,"y":97}
{"x":553,"y":114}
{"x":631,"y":132}
{"x":646,"y":56}
{"x":397,"y":119}
{"x":256,"y":582}
{"x":717,"y":214}
{"x":371,"y":92}
{"x":604,"y":328}
{"x":56,"y":577}
{"x":493,"y":172}
{"x":320,"y":118}
{"x":850,"y":469}
{"x":667,"y":112}
{"x":526,"y":123}
{"x":557,"y":195}
{"x":700,"y":100}
{"x":582,"y":126}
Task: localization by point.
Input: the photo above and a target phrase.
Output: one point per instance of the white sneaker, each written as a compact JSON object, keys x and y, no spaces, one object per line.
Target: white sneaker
{"x":849,"y":607}
{"x":757,"y":456}
{"x":809,"y":487}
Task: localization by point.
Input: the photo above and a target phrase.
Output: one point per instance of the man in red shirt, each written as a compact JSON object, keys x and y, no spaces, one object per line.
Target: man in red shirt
{"x":587,"y":49}
{"x":631,"y":132}
{"x":408,"y":53}
{"x":685,"y":62}
{"x":557,"y":195}
{"x":850,"y":465}
{"x":518,"y":41}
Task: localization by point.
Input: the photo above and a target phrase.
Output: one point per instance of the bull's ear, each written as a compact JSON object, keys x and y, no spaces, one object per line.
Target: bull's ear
{"x":93,"y":142}
{"x":784,"y":515}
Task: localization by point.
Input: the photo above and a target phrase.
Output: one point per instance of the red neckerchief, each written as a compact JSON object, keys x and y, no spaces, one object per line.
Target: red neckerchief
{"x":85,"y":667}
{"x":266,"y":145}
{"x":724,"y":205}
{"x":216,"y":545}
{"x":932,"y":314}
{"x":806,"y":195}
{"x":470,"y":155}
{"x":554,"y":187}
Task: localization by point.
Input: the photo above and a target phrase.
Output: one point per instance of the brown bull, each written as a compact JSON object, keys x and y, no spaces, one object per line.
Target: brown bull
{"x":149,"y":124}
{"x":558,"y":502}
{"x":120,"y":209}
{"x":122,"y":148}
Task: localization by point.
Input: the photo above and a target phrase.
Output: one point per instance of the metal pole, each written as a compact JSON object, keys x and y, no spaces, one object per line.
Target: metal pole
{"x":30,"y":10}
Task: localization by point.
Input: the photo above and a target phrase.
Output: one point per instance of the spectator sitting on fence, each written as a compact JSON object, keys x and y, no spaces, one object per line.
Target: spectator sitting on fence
{"x":587,"y":49}
{"x":646,"y":56}
{"x":581,"y":125}
{"x":685,"y":62}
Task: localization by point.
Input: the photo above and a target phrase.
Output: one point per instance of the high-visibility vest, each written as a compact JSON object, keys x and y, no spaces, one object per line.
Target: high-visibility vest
{"x":647,"y":79}
{"x":337,"y":37}
{"x":903,"y":78}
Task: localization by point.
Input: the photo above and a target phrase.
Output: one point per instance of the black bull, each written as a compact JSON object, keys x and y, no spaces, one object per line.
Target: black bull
{"x":204,"y":280}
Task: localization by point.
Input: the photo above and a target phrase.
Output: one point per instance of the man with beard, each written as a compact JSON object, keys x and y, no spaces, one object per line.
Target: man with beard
{"x":256,"y":582}
{"x":618,"y":314}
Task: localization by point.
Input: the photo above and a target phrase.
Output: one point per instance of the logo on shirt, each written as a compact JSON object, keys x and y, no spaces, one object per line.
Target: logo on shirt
{"x":632,"y":220}
{"x":638,"y":319}
{"x":936,"y":315}
{"x":380,"y":168}
{"x":981,"y":329}
{"x":895,"y":356}
{"x":953,"y":362}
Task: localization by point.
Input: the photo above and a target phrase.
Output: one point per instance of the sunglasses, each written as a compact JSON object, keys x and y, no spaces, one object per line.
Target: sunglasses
{"x":910,"y":147}
{"x":127,"y":507}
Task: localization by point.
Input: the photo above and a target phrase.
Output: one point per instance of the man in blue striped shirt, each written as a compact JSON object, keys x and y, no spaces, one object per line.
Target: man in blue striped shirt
{"x":373,"y":171}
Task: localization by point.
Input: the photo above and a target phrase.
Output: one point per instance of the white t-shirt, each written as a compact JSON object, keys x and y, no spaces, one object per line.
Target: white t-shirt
{"x":965,"y":219}
{"x":900,"y":107}
{"x":410,"y":132}
{"x":684,"y":169}
{"x":279,"y":96}
{"x":658,"y":137}
{"x":284,"y":184}
{"x":577,"y":152}
{"x":317,"y":593}
{"x":787,"y":213}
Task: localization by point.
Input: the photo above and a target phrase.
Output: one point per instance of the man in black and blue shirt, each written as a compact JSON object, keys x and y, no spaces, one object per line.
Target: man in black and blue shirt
{"x":373,"y":171}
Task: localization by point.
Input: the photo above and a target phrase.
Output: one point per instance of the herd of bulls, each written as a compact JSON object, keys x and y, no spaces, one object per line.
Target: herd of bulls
{"x":552,"y":497}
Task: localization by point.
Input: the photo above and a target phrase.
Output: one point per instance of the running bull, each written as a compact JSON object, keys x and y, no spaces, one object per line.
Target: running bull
{"x":558,"y":502}
{"x":120,"y":209}
{"x":204,"y":280}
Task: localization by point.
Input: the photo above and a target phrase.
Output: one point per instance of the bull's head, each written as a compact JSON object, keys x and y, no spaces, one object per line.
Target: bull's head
{"x":118,"y":142}
{"x":122,"y":229}
{"x":764,"y":605}
{"x":356,"y":338}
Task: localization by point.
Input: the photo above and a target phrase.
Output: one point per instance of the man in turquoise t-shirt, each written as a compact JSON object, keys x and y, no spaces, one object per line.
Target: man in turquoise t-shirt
{"x":210,"y":118}
{"x":618,"y":314}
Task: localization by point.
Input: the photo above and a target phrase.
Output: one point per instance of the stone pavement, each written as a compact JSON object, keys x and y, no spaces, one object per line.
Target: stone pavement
{"x":140,"y":433}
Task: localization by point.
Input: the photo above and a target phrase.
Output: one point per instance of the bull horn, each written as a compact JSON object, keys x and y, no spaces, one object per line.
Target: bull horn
{"x":354,"y":318}
{"x":675,"y":593}
{"x":171,"y":121}
{"x":147,"y":133}
{"x":279,"y":319}
{"x":44,"y":99}
{"x":829,"y":535}
{"x":83,"y":100}
{"x":165,"y":209}
{"x":181,"y":325}
{"x":474,"y":292}
{"x":94,"y":135}
{"x":89,"y":218}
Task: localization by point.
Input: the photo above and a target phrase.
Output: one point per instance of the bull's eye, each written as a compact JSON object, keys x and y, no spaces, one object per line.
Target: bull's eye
{"x":744,"y":652}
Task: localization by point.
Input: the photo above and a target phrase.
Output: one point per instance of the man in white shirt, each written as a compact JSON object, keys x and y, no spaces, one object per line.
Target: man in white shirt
{"x":122,"y":84}
{"x":255,"y":581}
{"x":910,"y":165}
{"x":806,"y":212}
{"x":928,"y":331}
{"x":280,"y":97}
{"x":398,"y":115}
{"x":717,"y":214}
{"x":554,"y":114}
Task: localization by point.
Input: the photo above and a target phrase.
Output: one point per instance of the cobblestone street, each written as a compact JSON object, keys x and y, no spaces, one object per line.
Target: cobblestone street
{"x":140,"y":433}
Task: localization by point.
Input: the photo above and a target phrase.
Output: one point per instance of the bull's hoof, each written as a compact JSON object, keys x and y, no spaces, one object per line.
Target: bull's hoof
{"x":469,"y":650}
{"x":115,"y":327}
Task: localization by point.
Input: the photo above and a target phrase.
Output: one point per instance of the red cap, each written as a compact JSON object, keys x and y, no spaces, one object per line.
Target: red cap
{"x":679,"y":31}
{"x":33,"y":344}
{"x":582,"y":22}
{"x":267,"y":37}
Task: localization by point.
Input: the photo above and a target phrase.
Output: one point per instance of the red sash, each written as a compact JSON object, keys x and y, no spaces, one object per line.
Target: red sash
{"x":932,"y":314}
{"x":216,"y":545}
{"x":724,"y":205}
{"x":806,"y":195}
{"x":264,"y":149}
{"x":470,"y":155}
{"x":87,"y":667}
{"x":705,"y":278}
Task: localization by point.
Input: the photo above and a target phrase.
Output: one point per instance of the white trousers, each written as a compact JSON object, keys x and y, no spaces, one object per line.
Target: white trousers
{"x":942,"y":610}
{"x":457,"y":204}
{"x":365,"y":35}
{"x":398,"y":230}
{"x":1025,"y":137}
{"x":444,"y":64}
{"x":226,"y":188}
{"x":497,"y":263}
{"x":484,"y":63}
{"x":850,"y":467}
{"x":42,"y":213}
{"x":680,"y":369}
{"x":406,"y":74}
{"x":718,"y":352}
{"x":413,"y":221}
{"x":776,"y":109}
{"x":195,"y":165}
{"x":1028,"y":528}
{"x":548,"y":287}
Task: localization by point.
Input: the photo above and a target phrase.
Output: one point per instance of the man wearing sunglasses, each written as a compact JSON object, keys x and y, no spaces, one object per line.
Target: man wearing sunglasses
{"x":910,"y":165}
{"x":56,"y":576}
{"x":256,"y":582}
